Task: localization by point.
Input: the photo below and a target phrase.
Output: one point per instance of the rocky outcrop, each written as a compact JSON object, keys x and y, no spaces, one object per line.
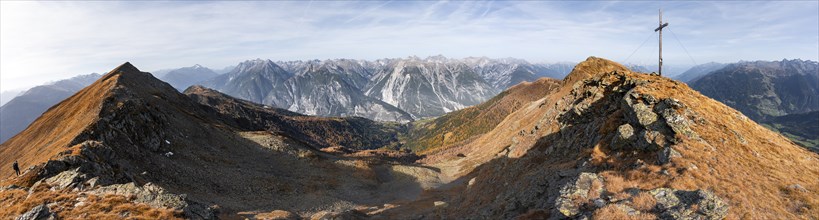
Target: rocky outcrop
{"x":158,"y":197}
{"x":585,"y":194}
{"x":85,"y":165}
{"x":652,"y":124}
{"x":40,"y":212}
{"x":587,"y":186}
{"x":681,"y":204}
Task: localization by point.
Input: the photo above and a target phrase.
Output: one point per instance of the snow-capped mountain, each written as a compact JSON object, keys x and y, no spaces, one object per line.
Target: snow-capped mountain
{"x":313,"y":87}
{"x":429,"y":87}
{"x":399,"y":89}
{"x":502,"y":73}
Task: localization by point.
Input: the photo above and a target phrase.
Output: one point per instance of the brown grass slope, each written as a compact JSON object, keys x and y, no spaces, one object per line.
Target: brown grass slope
{"x":519,"y":168}
{"x":455,"y":127}
{"x":42,"y":139}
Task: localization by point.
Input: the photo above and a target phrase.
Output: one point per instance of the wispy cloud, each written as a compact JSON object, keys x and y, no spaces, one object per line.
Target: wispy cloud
{"x":43,"y":41}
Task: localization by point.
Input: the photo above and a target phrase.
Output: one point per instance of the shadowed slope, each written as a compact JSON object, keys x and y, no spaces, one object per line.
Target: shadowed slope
{"x":317,"y":132}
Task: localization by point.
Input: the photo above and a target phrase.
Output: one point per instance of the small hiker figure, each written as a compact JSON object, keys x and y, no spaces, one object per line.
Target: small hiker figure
{"x":16,"y":168}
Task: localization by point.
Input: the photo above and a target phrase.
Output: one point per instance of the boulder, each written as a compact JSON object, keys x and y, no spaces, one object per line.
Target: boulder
{"x":623,"y":138}
{"x":674,"y":114}
{"x":40,"y":212}
{"x":649,"y":140}
{"x":677,"y":204}
{"x":580,"y":188}
{"x":664,"y":156}
{"x":65,"y":179}
{"x":156,"y":196}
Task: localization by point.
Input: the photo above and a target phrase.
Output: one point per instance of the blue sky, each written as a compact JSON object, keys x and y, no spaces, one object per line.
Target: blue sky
{"x":46,"y":41}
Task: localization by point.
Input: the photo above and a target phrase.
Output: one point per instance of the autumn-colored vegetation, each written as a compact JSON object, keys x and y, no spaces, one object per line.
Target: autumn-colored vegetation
{"x":426,"y":136}
{"x":68,"y":204}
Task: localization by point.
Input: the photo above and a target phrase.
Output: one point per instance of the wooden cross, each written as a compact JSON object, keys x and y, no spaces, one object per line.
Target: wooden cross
{"x":660,"y":29}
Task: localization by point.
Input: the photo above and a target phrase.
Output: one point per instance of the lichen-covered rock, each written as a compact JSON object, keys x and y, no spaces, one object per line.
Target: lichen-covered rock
{"x":677,"y":204}
{"x":40,"y":212}
{"x":623,"y":138}
{"x":674,"y":114}
{"x":643,"y":114}
{"x":65,"y":179}
{"x":664,"y":156}
{"x":581,"y":189}
{"x":648,"y":140}
{"x":665,"y":198}
{"x":157,"y":197}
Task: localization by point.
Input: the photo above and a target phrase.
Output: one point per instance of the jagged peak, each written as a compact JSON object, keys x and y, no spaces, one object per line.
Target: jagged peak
{"x":592,"y":66}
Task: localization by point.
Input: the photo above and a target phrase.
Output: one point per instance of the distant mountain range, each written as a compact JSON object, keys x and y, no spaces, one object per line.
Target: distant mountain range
{"x":698,"y":71}
{"x":764,"y":89}
{"x":402,"y":89}
{"x":18,"y":113}
{"x":184,"y":77}
{"x":782,"y":95}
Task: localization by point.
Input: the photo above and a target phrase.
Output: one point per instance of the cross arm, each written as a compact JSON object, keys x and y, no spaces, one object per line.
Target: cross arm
{"x":661,"y":27}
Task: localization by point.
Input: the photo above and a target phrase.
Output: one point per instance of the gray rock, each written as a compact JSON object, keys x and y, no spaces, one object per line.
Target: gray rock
{"x":345,"y":215}
{"x":627,"y":209}
{"x":40,"y":212}
{"x":648,"y":140}
{"x":599,"y":203}
{"x":643,"y":114}
{"x":711,"y":206}
{"x":670,"y":110}
{"x":797,"y":187}
{"x":665,"y":198}
{"x":623,"y":138}
{"x":581,"y":188}
{"x":156,"y":196}
{"x":65,"y":179}
{"x":676,"y":204}
{"x":664,"y":156}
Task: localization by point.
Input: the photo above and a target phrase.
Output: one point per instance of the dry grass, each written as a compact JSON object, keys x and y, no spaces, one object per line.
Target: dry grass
{"x":644,"y":201}
{"x":65,"y":204}
{"x":428,"y":136}
{"x":801,"y":200}
{"x":613,"y":212}
{"x":73,"y":114}
{"x":741,"y":161}
{"x":616,"y":183}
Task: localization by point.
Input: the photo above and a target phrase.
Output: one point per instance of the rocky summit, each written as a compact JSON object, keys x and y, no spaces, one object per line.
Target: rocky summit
{"x":602,"y":143}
